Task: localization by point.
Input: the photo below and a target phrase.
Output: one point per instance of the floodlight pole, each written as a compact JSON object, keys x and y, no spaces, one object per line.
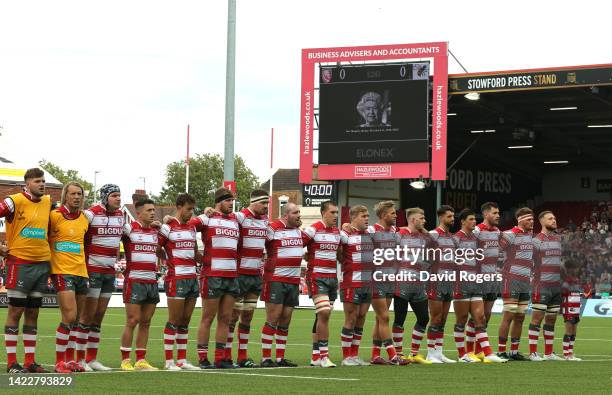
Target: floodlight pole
{"x":230,"y":85}
{"x":187,"y":164}
{"x":271,"y":199}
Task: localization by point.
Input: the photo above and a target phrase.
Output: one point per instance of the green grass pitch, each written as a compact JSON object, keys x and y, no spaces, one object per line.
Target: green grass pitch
{"x":593,"y":375}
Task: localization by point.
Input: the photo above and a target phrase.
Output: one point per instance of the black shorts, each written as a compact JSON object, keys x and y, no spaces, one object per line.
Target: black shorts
{"x":548,"y":296}
{"x":467,"y":291}
{"x":277,"y":292}
{"x":69,"y":282}
{"x":383,"y":290}
{"x":489,"y":297}
{"x":28,"y":278}
{"x":323,"y":286}
{"x":101,"y":285}
{"x":181,"y":288}
{"x":356,"y":295}
{"x":515,"y":289}
{"x":140,"y":293}
{"x":411,"y":292}
{"x":250,"y":284}
{"x":440,"y":290}
{"x":215,"y":287}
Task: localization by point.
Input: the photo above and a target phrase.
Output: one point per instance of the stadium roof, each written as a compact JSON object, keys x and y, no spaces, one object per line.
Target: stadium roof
{"x":560,"y":123}
{"x":12,"y":173}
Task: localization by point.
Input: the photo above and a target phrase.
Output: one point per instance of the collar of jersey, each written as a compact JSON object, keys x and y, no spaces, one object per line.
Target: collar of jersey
{"x":67,"y":214}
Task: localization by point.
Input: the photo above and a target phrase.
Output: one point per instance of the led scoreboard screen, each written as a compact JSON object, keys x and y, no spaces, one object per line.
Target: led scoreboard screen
{"x":313,"y":195}
{"x":374,"y":113}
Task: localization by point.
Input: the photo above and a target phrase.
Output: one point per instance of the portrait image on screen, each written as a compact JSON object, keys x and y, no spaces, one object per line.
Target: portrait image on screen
{"x":375,"y":109}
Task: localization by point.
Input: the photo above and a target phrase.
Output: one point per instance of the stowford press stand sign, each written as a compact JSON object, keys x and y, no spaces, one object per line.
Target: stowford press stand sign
{"x":541,"y":79}
{"x":467,"y":187}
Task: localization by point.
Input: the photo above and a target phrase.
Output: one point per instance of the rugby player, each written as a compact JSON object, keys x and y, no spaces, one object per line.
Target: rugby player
{"x":412,"y":291}
{"x":546,"y":294}
{"x":102,"y":245}
{"x":218,"y":280}
{"x":488,"y":235}
{"x":385,"y":236}
{"x":27,"y":267}
{"x":571,"y":307}
{"x":322,"y":239}
{"x":440,"y":290}
{"x":67,"y":229}
{"x":253,"y":222}
{"x":178,"y":238}
{"x":140,"y":293}
{"x":356,"y":288}
{"x":468,"y":293}
{"x":518,"y":245}
{"x":282,"y":270}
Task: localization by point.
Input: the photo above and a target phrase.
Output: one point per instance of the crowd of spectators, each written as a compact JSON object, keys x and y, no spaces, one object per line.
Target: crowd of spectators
{"x":590,"y":243}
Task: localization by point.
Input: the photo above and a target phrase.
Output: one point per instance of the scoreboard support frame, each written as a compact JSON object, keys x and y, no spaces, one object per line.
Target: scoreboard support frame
{"x":435,"y":169}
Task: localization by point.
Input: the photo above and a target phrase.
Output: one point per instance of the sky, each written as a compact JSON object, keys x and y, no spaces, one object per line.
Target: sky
{"x":110,"y":86}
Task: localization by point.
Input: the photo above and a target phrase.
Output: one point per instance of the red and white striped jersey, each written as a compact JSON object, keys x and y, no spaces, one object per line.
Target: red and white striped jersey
{"x":103,"y":238}
{"x":444,"y":242}
{"x":322,"y":243}
{"x":7,"y":208}
{"x":416,"y":243}
{"x":385,"y":239}
{"x":488,"y":241}
{"x":357,"y":256}
{"x":518,"y":246}
{"x":179,"y":242}
{"x":285,"y":249}
{"x":571,"y":296}
{"x":220,"y":235}
{"x":140,"y":246}
{"x":253,"y":231}
{"x":467,"y":242}
{"x":547,"y":260}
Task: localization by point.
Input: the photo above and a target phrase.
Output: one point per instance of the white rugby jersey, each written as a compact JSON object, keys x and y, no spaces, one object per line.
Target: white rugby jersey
{"x":322,"y":243}
{"x":220,"y":235}
{"x":179,"y":242}
{"x":103,"y":238}
{"x":140,"y":246}
{"x":253,"y":231}
{"x":285,"y":248}
{"x":488,"y":240}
